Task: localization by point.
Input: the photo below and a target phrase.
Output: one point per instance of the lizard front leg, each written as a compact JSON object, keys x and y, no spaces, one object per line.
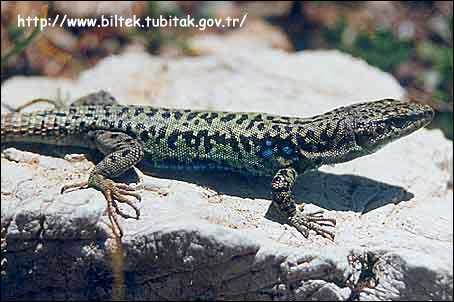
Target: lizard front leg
{"x":122,"y":153}
{"x":282,"y":190}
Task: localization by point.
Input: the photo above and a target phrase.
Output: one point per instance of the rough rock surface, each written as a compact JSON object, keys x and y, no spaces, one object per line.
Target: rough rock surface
{"x":214,"y":237}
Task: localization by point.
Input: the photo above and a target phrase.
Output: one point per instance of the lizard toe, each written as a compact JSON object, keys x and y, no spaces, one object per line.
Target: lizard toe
{"x":304,"y":222}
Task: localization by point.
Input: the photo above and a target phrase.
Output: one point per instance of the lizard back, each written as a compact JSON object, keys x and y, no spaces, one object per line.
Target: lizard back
{"x":253,"y":143}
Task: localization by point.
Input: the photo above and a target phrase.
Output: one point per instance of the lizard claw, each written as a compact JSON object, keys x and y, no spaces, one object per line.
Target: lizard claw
{"x":304,"y":222}
{"x":114,"y":193}
{"x":76,"y":186}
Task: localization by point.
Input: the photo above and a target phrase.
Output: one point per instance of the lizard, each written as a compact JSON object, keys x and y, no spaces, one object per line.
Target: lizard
{"x":282,"y":147}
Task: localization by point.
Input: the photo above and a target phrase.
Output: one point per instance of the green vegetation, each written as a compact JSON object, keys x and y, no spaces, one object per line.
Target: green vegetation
{"x":384,"y":49}
{"x":15,"y":33}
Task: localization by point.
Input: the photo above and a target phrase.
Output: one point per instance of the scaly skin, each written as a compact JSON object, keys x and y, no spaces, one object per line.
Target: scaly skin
{"x":250,"y":143}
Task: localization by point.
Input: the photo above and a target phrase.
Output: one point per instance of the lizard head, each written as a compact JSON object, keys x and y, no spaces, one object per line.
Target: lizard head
{"x":380,"y":122}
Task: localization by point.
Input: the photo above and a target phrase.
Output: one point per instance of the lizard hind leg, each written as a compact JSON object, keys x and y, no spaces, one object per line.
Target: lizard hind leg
{"x":282,"y":188}
{"x":122,"y":153}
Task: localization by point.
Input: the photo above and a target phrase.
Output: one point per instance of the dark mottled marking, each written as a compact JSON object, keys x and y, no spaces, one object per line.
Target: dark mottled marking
{"x":234,"y":143}
{"x":129,"y":130}
{"x":166,"y":115}
{"x":276,"y":128}
{"x":222,"y":139}
{"x":380,"y":129}
{"x":189,"y":138}
{"x":120,"y":123}
{"x":260,"y":126}
{"x":398,"y":122}
{"x":152,"y":112}
{"x":242,"y":118}
{"x":246,"y":143}
{"x":161,"y":135}
{"x":177,"y":115}
{"x":324,"y":136}
{"x":172,"y":139}
{"x":204,"y":116}
{"x":209,"y":117}
{"x":228,"y":117}
{"x":144,"y":136}
{"x":140,"y":126}
{"x":258,"y":118}
{"x":203,"y":134}
{"x":139,"y":110}
{"x":191,"y":116}
{"x":152,"y":130}
{"x":60,"y":114}
{"x":63,"y":130}
{"x":250,"y":125}
{"x":126,"y":153}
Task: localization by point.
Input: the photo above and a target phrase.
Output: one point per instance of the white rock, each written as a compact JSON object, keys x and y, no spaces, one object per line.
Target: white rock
{"x":191,"y":243}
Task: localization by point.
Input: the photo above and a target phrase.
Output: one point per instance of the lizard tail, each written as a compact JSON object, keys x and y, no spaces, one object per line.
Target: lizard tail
{"x":42,"y":127}
{"x":25,"y":127}
{"x":13,"y":125}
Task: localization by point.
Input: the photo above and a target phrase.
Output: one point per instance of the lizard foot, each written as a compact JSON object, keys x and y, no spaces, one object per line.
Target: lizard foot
{"x":304,"y":222}
{"x":114,"y":193}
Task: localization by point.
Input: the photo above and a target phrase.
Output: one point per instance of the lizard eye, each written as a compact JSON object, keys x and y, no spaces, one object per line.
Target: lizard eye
{"x":398,"y":122}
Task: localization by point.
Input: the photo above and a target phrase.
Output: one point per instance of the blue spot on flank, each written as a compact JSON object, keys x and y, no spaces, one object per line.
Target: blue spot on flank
{"x":267,"y":153}
{"x":287,"y":150}
{"x":268,"y":143}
